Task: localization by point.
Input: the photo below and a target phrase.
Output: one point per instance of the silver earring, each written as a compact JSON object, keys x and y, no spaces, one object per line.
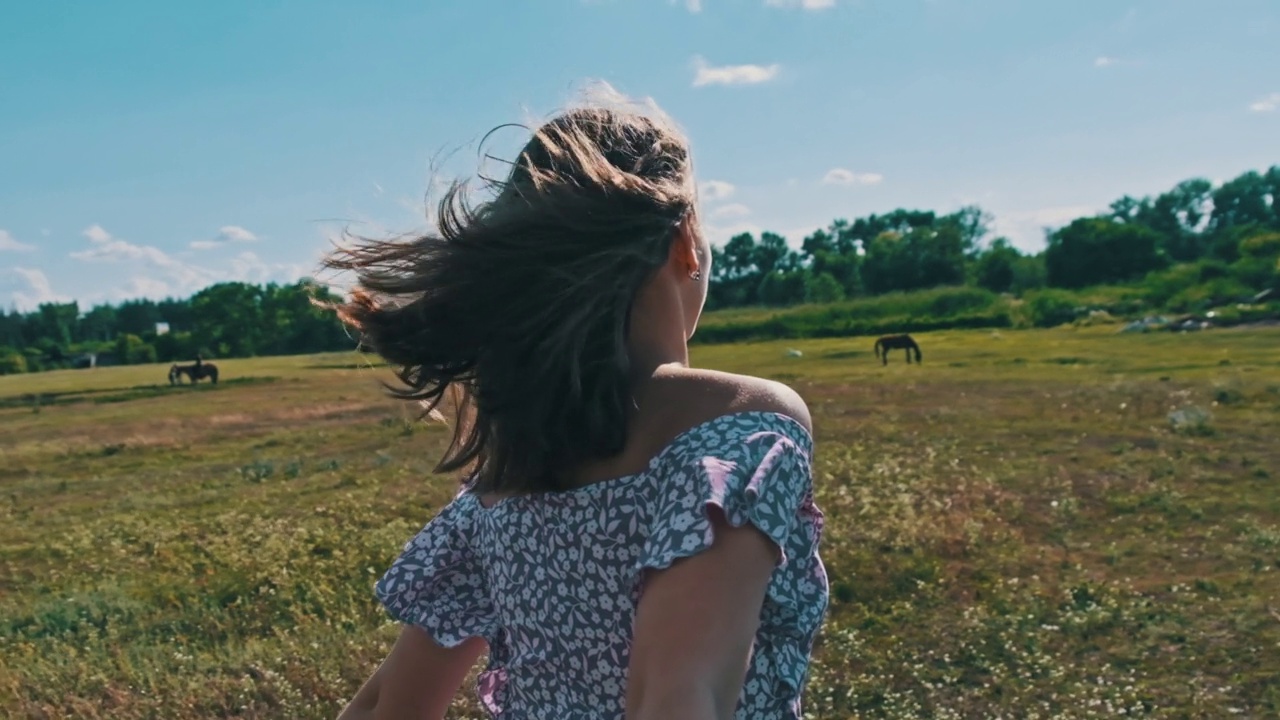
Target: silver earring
{"x":696,"y":275}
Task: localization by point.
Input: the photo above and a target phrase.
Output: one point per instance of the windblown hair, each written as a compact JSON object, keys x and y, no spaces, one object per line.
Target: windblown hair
{"x":518,"y":306}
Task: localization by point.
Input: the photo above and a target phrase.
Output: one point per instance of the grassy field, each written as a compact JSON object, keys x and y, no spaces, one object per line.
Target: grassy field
{"x":1034,"y":524}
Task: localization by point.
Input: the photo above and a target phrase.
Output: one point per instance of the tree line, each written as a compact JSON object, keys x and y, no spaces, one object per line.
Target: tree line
{"x":1191,"y":248}
{"x":1230,"y":231}
{"x":230,"y":319}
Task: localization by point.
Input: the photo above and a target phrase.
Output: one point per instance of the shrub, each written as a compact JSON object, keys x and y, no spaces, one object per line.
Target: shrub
{"x":1165,"y":284}
{"x":782,"y":288}
{"x":132,"y":350}
{"x":1050,"y":308}
{"x":823,"y":288}
{"x":12,"y":363}
{"x":1218,"y":291}
{"x":1261,"y":246}
{"x":959,"y":300}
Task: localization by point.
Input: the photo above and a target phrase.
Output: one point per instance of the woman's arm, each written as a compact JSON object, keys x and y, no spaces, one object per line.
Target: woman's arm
{"x":417,"y":680}
{"x":695,"y":626}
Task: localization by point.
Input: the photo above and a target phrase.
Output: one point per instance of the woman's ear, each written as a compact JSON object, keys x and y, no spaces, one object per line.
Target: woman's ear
{"x":684,"y":248}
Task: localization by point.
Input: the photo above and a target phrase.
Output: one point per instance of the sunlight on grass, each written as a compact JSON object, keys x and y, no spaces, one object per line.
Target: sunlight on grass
{"x":1018,"y":527}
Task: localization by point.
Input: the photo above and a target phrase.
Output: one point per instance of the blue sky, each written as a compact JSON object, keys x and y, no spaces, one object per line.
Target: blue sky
{"x":151,"y":148}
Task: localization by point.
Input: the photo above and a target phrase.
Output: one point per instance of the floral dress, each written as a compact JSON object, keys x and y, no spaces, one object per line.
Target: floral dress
{"x":552,"y":580}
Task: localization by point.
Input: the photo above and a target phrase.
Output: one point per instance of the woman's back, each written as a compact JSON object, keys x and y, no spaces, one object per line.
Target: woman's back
{"x":636,"y":536}
{"x":552,"y":581}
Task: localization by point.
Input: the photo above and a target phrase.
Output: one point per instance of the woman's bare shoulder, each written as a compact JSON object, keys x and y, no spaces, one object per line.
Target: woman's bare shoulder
{"x":691,"y":397}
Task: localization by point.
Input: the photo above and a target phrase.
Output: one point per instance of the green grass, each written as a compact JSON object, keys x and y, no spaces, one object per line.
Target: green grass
{"x":1031,"y":524}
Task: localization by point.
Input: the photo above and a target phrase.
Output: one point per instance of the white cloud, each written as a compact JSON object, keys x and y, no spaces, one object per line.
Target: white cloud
{"x":245,"y":267}
{"x":248,"y":267}
{"x":226,"y":234}
{"x":795,"y":236}
{"x":105,"y":248}
{"x":96,"y":234}
{"x":841,"y":176}
{"x":731,"y":211}
{"x":9,"y":242}
{"x":146,"y":271}
{"x":235,"y":233}
{"x":38,"y":290}
{"x":713,"y":190}
{"x":693,"y":6}
{"x":802,"y":4}
{"x":1026,"y":228}
{"x":1269,"y":103}
{"x":718,"y":235}
{"x":705,"y":74}
{"x":109,"y":249}
{"x":1103,"y":61}
{"x":143,"y":287}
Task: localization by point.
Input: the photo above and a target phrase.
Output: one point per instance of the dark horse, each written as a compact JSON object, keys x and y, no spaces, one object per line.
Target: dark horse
{"x":896,"y":342}
{"x":194,"y":373}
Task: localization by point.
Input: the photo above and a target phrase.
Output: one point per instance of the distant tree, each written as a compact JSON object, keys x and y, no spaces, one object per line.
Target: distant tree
{"x":133,"y":350}
{"x":839,"y":260}
{"x":994,"y":266}
{"x":137,"y":317}
{"x":1091,"y":251}
{"x":863,"y":231}
{"x":56,"y":322}
{"x":1181,"y":216}
{"x":228,"y":319}
{"x":823,"y":288}
{"x":973,"y":224}
{"x":1029,"y":273}
{"x":35,"y":359}
{"x":773,"y":255}
{"x":819,"y":242}
{"x":12,"y":362}
{"x":1246,"y":200}
{"x":295,"y":324}
{"x":11,"y":323}
{"x":923,"y":257}
{"x":887,"y":264}
{"x":738,"y":259}
{"x":99,"y":324}
{"x":734,"y":276}
{"x":783,"y":287}
{"x":175,"y":312}
{"x":176,"y":346}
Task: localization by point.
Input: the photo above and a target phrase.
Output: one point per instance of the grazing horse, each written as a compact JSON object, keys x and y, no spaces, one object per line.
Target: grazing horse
{"x":194,"y":373}
{"x":896,"y":342}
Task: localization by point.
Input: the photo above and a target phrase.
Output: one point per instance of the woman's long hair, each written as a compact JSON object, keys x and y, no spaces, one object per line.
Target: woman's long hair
{"x":518,"y":306}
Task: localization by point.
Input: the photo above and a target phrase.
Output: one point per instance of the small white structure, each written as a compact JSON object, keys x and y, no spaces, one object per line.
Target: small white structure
{"x":162,"y":328}
{"x":792,"y":352}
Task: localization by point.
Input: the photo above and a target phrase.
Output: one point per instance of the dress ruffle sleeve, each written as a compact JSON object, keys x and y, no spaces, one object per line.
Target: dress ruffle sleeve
{"x":437,"y":582}
{"x":762,"y":478}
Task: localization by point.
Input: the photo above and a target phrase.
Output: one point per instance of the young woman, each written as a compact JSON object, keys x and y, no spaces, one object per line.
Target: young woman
{"x":635,"y":538}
